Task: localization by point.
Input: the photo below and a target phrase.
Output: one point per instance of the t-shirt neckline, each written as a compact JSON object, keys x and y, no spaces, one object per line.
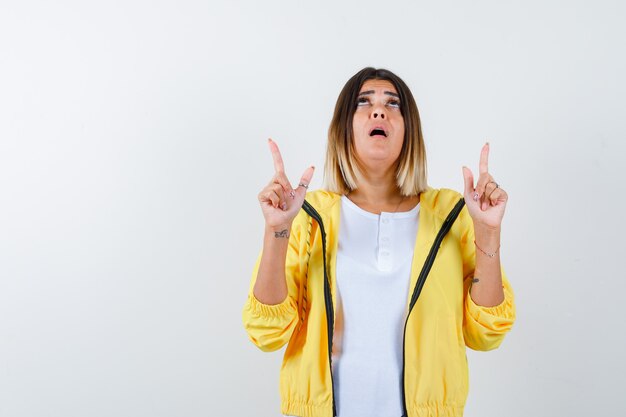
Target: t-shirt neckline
{"x":397,"y":215}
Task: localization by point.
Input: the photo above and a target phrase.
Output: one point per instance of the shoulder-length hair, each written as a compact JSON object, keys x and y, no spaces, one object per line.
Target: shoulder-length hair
{"x":341,"y":169}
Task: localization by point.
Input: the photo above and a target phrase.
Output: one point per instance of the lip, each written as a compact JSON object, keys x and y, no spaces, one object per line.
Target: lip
{"x":381,"y":127}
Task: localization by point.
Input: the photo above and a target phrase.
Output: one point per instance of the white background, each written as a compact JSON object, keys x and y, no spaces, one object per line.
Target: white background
{"x":133,"y":145}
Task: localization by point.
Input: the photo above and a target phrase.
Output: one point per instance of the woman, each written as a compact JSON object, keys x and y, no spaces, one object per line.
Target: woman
{"x":378,"y":282}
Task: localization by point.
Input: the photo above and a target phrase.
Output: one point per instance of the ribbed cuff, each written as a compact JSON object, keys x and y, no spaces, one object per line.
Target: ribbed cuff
{"x":504,"y":310}
{"x":260,"y":309}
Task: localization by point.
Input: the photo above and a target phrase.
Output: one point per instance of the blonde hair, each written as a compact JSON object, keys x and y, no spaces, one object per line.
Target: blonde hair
{"x":341,"y":169}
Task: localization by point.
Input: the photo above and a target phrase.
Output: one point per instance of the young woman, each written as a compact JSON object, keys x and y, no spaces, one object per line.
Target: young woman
{"x":377,"y":283}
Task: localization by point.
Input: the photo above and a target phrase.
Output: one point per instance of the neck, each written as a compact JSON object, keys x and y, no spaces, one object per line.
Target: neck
{"x":376,"y":187}
{"x":376,"y":194}
{"x":380,"y":193}
{"x":377,"y":184}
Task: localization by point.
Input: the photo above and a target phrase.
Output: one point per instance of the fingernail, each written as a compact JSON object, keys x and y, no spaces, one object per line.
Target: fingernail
{"x":283,"y":206}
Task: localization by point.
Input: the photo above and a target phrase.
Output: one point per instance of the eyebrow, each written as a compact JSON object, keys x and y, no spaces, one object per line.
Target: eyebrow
{"x":389,"y":93}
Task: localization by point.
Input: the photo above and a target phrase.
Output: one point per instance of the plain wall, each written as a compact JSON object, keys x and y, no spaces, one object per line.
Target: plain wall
{"x":133,"y":145}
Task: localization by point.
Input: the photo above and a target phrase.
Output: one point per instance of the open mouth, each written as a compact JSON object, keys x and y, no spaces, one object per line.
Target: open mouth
{"x":378,"y":132}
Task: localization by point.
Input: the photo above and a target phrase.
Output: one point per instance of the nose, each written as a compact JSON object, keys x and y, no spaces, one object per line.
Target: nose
{"x":378,"y":112}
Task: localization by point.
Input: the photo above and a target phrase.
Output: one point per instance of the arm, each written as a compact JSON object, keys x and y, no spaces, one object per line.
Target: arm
{"x":485,"y":324}
{"x":489,"y":310}
{"x":486,"y":289}
{"x":270,"y":313}
{"x":270,"y":286}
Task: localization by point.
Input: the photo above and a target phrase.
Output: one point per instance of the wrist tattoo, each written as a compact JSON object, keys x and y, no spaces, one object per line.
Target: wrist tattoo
{"x":282,"y":233}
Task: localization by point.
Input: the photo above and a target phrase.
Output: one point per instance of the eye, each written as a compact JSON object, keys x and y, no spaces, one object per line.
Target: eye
{"x":394,"y":103}
{"x":361,"y":101}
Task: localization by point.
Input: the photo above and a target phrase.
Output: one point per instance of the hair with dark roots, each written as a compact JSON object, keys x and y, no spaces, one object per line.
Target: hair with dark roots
{"x":342,"y":171}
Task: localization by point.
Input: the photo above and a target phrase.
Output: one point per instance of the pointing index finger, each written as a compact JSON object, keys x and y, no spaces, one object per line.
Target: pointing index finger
{"x":279,"y":167}
{"x":483,"y":166}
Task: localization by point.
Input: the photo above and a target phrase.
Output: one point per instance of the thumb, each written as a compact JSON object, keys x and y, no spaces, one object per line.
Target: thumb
{"x":468,"y":178}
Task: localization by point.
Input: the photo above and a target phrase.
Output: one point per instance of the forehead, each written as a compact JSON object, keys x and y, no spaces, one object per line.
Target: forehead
{"x":379,"y":86}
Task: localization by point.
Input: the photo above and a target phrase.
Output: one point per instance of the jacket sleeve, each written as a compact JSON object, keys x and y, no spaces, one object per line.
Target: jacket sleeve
{"x":484,"y":328}
{"x":270,"y":326}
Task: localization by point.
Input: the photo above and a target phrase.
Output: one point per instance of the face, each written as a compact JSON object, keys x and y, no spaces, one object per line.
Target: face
{"x":378,"y":125}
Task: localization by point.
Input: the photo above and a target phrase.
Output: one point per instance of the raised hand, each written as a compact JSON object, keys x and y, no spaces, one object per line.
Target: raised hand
{"x":486,"y":202}
{"x":280,"y":202}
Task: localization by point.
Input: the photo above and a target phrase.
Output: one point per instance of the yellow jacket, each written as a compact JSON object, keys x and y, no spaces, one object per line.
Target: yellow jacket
{"x":442,"y":321}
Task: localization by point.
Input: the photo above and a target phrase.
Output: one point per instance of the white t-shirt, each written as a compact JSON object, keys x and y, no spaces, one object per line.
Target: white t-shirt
{"x":373,"y":273}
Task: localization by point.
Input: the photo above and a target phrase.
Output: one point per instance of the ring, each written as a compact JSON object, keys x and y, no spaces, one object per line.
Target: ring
{"x":303,"y":185}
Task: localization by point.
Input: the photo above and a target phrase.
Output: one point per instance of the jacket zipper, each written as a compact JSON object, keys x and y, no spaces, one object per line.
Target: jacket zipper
{"x":430,"y":259}
{"x":328,"y":301}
